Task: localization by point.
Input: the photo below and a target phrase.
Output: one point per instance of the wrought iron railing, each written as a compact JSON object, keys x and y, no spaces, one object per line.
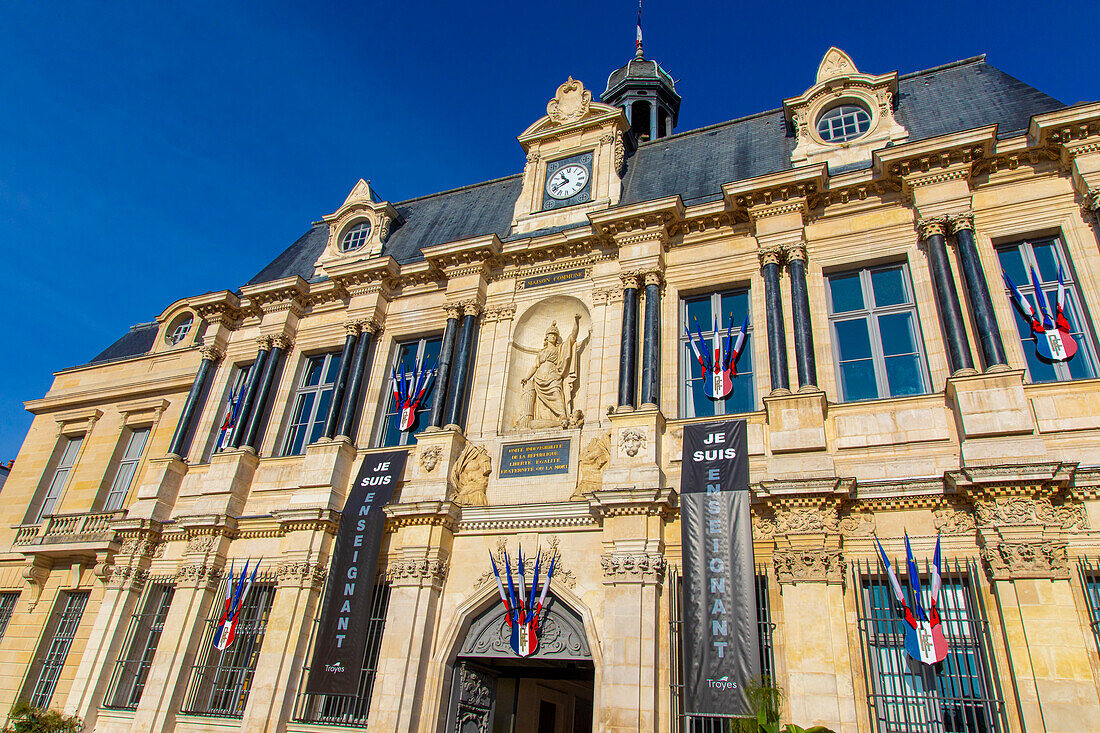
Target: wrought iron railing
{"x":142,"y":637}
{"x":765,"y":629}
{"x":962,"y":694}
{"x":340,"y":710}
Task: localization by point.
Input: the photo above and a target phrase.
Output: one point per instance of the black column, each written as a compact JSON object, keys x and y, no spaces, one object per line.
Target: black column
{"x":800,"y":311}
{"x":628,"y":346}
{"x":257,"y":416}
{"x":977,"y":291}
{"x":250,"y":388}
{"x":651,"y":342}
{"x":341,"y":381}
{"x":777,"y":340}
{"x":935,"y":245}
{"x":355,"y":380}
{"x":443,"y":373}
{"x":210,"y":355}
{"x":457,"y":393}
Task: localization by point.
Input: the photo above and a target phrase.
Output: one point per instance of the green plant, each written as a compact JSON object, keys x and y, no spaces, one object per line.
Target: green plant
{"x":766,"y":698}
{"x":28,"y":719}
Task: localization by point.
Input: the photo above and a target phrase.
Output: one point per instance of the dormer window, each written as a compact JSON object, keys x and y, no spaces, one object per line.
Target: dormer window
{"x":843,"y":123}
{"x":179,"y":330}
{"x":355,"y":237}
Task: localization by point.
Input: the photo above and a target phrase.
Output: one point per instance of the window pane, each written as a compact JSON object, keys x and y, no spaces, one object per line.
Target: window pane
{"x":743,"y":396}
{"x":333,"y":369}
{"x":1012,"y":264}
{"x":698,"y":313}
{"x":896,"y":331}
{"x":853,"y":340}
{"x":391,"y":433}
{"x":136,"y":444}
{"x":846,"y":293}
{"x":1080,"y":367}
{"x":1039,"y":370}
{"x":68,"y":455}
{"x":1045,"y":258}
{"x":903,"y":375}
{"x":735,"y":305}
{"x":857,"y":380}
{"x":312,"y":375}
{"x":889,"y":286}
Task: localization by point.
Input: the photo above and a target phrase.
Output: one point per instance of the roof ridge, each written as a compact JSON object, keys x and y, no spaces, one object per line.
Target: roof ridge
{"x":961,"y":62}
{"x":712,"y":126}
{"x":460,"y":188}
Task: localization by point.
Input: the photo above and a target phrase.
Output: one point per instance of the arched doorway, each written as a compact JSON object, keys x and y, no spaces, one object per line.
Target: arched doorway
{"x":495,"y":691}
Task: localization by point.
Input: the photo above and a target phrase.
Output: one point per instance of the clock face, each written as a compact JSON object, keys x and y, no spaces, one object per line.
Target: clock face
{"x":567,"y":181}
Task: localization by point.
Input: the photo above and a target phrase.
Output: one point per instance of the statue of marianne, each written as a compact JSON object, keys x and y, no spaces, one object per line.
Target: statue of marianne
{"x":549,"y":388}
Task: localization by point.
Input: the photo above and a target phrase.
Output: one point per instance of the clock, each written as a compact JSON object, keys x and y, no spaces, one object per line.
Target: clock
{"x":568,"y":182}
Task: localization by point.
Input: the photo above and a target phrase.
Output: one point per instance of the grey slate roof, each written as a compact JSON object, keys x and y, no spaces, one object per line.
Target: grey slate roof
{"x":138,"y":340}
{"x":961,"y":96}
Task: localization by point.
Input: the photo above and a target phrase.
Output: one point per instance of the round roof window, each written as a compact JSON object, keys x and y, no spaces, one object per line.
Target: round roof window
{"x":843,"y":123}
{"x":355,"y":237}
{"x":179,"y":329}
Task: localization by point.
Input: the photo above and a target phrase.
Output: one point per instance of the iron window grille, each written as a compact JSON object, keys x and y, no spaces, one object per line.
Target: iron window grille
{"x":765,"y":629}
{"x":960,"y":695}
{"x":877,"y":343}
{"x":1090,"y":584}
{"x":426,"y":353}
{"x":312,"y":400}
{"x":7,"y":608}
{"x":221,"y":680}
{"x":127,"y":467}
{"x":142,"y":637}
{"x":69,"y":454}
{"x":339,"y":709}
{"x":52,"y":653}
{"x":1046,"y":256}
{"x":697,"y":312}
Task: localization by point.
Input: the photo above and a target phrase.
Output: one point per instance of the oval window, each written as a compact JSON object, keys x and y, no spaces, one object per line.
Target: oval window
{"x":844,"y":123}
{"x":355,"y":237}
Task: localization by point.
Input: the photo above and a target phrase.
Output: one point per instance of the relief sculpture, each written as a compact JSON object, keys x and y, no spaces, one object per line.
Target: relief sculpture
{"x":550,"y":385}
{"x":470,"y":476}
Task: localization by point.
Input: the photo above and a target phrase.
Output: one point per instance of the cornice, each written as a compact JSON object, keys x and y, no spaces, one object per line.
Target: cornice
{"x":1063,"y":125}
{"x":608,"y":503}
{"x":437,"y":513}
{"x":775,"y":189}
{"x":923,"y":156}
{"x":287,"y":292}
{"x":639,"y":222}
{"x":468,"y":256}
{"x":112,"y":392}
{"x":525,"y":517}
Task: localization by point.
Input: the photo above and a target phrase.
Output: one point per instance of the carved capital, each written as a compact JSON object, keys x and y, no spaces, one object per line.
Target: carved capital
{"x":808,"y":566}
{"x":303,"y":574}
{"x":371,"y":325}
{"x":1034,"y":559}
{"x":351,"y":328}
{"x":962,"y":221}
{"x":654,"y":277}
{"x":453,"y":310}
{"x":198,"y":574}
{"x":499,"y":313}
{"x":281,"y":342}
{"x":796,"y":252}
{"x":263,"y":343}
{"x":631,"y":279}
{"x":128,"y":577}
{"x":636,"y":567}
{"x":471,"y":308}
{"x":420,"y":572}
{"x":930,"y":226}
{"x":212,"y":353}
{"x":770,"y":256}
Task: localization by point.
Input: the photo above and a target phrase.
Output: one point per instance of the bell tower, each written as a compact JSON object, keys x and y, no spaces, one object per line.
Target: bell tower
{"x":646,"y":92}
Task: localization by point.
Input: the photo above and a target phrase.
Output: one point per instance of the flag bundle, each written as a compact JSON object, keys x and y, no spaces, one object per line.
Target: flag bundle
{"x":924,"y":639}
{"x":408,"y":391}
{"x":232,"y":412}
{"x":1053,"y":341}
{"x":522,"y":610}
{"x":235,"y":595}
{"x":719,"y":364}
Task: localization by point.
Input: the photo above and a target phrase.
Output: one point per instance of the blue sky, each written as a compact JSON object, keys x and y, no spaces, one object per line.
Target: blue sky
{"x":152,"y":151}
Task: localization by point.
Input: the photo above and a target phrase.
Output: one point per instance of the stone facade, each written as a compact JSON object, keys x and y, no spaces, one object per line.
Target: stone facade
{"x":1002,"y":467}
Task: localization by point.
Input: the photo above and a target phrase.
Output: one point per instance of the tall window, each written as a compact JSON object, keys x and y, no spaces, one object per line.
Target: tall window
{"x":127,"y":467}
{"x":221,"y":680}
{"x":230,"y":409}
{"x":7,"y":607}
{"x":311,"y":402}
{"x":69,"y":452}
{"x":963,"y":695}
{"x":1046,"y":256}
{"x":47,"y":666}
{"x":424,"y":352}
{"x":339,"y":709}
{"x":877,"y":342}
{"x":1090,"y":584}
{"x":142,"y":637}
{"x":697,"y":312}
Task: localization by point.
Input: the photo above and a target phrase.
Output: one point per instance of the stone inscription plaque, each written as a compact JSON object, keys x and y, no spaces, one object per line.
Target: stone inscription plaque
{"x":553,"y":278}
{"x":535,"y":459}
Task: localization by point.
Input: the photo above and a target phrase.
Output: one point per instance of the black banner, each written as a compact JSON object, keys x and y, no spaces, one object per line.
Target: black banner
{"x":340,"y":643}
{"x":720,"y":643}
